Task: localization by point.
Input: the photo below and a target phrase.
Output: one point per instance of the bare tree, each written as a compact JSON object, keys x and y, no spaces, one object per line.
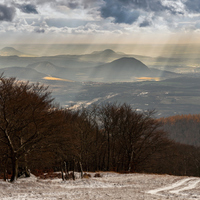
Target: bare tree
{"x":82,"y":138}
{"x":131,"y":135}
{"x":24,"y":111}
{"x":108,"y":120}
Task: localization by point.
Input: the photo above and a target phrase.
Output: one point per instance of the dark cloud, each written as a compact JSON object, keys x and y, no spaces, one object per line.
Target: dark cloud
{"x":39,"y":30}
{"x":128,"y":11}
{"x":82,"y":4}
{"x":151,"y":5}
{"x":27,"y":8}
{"x":72,"y":4}
{"x":6,"y":13}
{"x":90,"y":3}
{"x":193,"y":5}
{"x":119,"y":12}
{"x":136,"y":3}
{"x":145,"y":23}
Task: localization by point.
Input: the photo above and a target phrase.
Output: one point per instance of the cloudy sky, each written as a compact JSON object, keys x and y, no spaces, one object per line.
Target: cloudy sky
{"x":100,"y":21}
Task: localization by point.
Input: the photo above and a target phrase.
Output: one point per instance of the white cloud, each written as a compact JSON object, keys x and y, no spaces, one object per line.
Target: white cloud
{"x":97,"y":18}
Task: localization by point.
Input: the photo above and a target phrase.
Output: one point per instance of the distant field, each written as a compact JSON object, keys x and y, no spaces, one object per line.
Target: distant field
{"x":149,"y":79}
{"x":169,"y":97}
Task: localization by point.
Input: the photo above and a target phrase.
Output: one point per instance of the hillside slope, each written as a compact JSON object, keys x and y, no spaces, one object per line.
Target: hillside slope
{"x":22,"y":73}
{"x":10,"y":51}
{"x":121,"y":69}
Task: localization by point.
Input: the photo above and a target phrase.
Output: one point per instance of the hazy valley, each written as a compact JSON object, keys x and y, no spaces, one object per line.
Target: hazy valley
{"x":109,"y":76}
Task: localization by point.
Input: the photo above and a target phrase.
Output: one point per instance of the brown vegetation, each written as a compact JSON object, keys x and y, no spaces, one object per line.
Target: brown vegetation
{"x":183,"y":128}
{"x":37,"y":136}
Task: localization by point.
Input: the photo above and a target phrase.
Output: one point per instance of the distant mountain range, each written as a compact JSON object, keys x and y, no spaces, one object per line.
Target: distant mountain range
{"x":45,"y":67}
{"x":52,"y":70}
{"x":105,"y":56}
{"x":22,"y":73}
{"x":103,"y":66}
{"x":123,"y":69}
{"x":106,"y":52}
{"x":10,"y":51}
{"x":107,"y":76}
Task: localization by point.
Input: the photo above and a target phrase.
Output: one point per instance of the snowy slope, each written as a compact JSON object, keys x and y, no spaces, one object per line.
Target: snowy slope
{"x":109,"y":186}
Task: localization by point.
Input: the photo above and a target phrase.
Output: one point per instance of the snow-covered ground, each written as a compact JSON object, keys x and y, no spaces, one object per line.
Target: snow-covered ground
{"x":109,"y":186}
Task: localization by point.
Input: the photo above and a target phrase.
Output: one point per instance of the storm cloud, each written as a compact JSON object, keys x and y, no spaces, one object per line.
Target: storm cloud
{"x":7,"y":13}
{"x":128,"y":11}
{"x":72,"y":4}
{"x":154,"y":5}
{"x":145,"y":23}
{"x":119,"y":11}
{"x":193,"y":5}
{"x":27,"y":8}
{"x":99,"y":16}
{"x":39,"y":30}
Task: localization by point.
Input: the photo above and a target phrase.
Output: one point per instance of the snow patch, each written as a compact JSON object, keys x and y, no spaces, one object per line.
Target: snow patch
{"x":110,"y":186}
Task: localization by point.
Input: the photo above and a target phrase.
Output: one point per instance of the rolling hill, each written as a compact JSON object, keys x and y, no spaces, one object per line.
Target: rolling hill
{"x":104,"y":56}
{"x":122,"y":69}
{"x":22,"y":73}
{"x":45,"y":67}
{"x":10,"y":51}
{"x":53,"y":70}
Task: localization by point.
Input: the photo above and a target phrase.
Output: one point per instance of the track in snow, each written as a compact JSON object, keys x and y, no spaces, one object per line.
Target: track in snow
{"x":177,"y":187}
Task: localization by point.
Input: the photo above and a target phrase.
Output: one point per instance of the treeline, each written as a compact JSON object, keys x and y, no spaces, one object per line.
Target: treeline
{"x":37,"y":136}
{"x":184,"y":129}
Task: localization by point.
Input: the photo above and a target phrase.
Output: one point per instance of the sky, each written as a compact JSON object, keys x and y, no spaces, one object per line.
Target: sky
{"x":100,"y":21}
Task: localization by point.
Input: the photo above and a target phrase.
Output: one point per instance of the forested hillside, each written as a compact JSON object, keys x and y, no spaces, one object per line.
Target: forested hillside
{"x":183,"y":128}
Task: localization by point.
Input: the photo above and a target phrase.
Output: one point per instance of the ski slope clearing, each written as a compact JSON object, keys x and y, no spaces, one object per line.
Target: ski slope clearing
{"x":183,"y":187}
{"x":109,"y":186}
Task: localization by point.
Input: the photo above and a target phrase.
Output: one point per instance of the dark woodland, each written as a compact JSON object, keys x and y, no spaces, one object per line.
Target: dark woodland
{"x":38,"y":136}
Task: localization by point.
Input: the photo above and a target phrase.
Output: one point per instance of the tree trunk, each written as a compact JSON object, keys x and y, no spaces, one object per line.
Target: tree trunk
{"x":81,"y":167}
{"x":63,"y":176}
{"x":73,"y":175}
{"x":130,"y":162}
{"x":14,"y":169}
{"x":5,"y":174}
{"x":27,"y":171}
{"x":108,"y":158}
{"x":63,"y":171}
{"x":65,"y":168}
